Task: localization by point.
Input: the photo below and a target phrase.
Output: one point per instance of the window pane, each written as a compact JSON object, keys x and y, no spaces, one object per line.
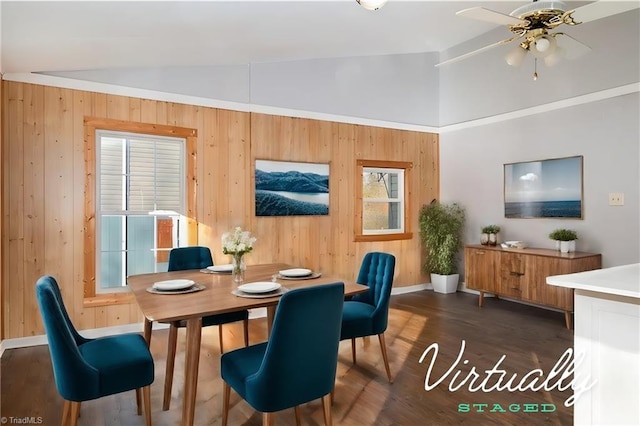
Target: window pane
{"x":111,"y":267}
{"x":112,"y":173}
{"x":381,"y":216}
{"x":142,"y":165}
{"x":140,"y":244}
{"x":380,"y":185}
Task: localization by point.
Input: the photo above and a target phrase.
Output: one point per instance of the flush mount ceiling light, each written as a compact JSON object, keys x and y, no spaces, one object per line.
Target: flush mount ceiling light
{"x":371,"y":4}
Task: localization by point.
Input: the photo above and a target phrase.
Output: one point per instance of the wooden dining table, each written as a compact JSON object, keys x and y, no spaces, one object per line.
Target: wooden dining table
{"x":215,"y":298}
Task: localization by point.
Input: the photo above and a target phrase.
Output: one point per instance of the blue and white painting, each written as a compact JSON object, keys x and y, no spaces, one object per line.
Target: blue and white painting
{"x":291,"y":189}
{"x":544,"y":189}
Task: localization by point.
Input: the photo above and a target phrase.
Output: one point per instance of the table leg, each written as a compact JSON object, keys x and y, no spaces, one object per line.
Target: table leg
{"x":271,"y":314}
{"x":147,"y":331}
{"x":192,"y":360}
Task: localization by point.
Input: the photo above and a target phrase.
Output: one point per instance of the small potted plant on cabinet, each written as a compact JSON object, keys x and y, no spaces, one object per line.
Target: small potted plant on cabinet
{"x":441,"y":232}
{"x":565,"y":239}
{"x":489,"y":235}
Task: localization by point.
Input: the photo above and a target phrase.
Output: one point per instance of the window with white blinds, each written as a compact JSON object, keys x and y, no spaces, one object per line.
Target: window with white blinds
{"x":140,"y":186}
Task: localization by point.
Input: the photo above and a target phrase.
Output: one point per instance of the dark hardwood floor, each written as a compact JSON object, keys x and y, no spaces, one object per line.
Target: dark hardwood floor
{"x":530,"y":338}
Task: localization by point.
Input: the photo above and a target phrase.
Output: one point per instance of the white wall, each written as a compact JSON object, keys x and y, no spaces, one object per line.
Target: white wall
{"x":392,"y":88}
{"x":606,"y":133}
{"x":225,"y":83}
{"x":397,"y":88}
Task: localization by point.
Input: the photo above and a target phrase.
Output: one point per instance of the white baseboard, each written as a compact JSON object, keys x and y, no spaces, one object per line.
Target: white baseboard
{"x":23,"y":342}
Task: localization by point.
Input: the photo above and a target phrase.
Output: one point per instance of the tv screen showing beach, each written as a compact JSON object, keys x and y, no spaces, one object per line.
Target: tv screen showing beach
{"x":291,"y":189}
{"x":544,"y":189}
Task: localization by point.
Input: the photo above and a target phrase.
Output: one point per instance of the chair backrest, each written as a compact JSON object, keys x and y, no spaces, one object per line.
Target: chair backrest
{"x":376,"y":272}
{"x":302,"y":352}
{"x":75,"y":379}
{"x":184,"y":258}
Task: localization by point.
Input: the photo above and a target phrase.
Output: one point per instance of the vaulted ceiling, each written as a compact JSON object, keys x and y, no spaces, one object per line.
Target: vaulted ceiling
{"x":75,"y":35}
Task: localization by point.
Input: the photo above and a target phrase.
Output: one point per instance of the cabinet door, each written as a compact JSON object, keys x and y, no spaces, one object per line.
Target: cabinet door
{"x":538,"y":291}
{"x":480,"y":269}
{"x":512,"y":273}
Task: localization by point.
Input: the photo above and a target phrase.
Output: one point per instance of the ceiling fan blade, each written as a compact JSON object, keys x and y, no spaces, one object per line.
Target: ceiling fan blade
{"x":487,"y":15}
{"x":601,"y":9}
{"x":475,"y":52}
{"x":570,"y":47}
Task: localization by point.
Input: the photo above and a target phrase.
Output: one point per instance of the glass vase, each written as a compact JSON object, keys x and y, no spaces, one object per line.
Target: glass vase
{"x":237,"y":273}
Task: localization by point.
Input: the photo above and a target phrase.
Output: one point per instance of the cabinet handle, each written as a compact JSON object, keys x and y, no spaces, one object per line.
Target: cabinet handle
{"x":517,"y":274}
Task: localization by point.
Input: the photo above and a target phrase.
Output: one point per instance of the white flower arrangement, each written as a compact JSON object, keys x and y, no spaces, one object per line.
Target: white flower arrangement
{"x":237,"y":242}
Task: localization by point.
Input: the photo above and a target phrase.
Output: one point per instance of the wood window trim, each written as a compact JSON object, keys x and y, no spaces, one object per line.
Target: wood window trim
{"x":91,"y":124}
{"x":360,"y":166}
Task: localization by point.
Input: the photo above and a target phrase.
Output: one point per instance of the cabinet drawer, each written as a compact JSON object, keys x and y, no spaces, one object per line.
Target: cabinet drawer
{"x":512,"y":274}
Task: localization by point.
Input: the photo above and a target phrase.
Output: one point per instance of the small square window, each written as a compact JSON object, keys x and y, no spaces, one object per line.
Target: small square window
{"x":381,"y":205}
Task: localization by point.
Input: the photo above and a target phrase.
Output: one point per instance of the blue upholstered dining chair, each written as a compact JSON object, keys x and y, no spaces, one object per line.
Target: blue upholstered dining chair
{"x":195,"y":257}
{"x":366,"y":314}
{"x":298,"y":362}
{"x":86,"y":369}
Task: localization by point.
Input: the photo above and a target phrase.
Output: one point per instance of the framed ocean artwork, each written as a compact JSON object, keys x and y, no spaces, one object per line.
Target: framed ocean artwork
{"x":544,"y":189}
{"x":291,"y":189}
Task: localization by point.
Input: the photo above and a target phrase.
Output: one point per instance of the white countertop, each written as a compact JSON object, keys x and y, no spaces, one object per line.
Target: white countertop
{"x":619,"y":280}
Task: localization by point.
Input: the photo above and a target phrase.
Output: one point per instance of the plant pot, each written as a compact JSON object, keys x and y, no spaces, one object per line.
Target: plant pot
{"x":484,"y":239}
{"x":445,"y":283}
{"x":567,"y":246}
{"x":493,"y":239}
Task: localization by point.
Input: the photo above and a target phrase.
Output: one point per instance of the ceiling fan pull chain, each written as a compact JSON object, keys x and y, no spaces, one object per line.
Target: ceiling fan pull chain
{"x":535,"y":69}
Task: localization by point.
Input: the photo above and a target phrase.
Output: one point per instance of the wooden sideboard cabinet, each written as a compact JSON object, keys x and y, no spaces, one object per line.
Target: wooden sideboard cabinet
{"x":521,"y":274}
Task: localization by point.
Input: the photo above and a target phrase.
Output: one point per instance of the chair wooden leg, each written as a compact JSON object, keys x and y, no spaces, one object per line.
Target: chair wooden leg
{"x":326,"y":409}
{"x":384,"y":356}
{"x":146,"y":395}
{"x":296,"y":411}
{"x":246,"y":332}
{"x":66,"y":410}
{"x":220,"y":338}
{"x":353,"y":350}
{"x":75,"y":413}
{"x":268,"y":419}
{"x":226,"y":395}
{"x":171,"y":362}
{"x":139,"y":401}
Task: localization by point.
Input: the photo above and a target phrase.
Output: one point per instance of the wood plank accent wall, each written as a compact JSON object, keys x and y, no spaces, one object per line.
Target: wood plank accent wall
{"x":2,"y":168}
{"x":43,"y":192}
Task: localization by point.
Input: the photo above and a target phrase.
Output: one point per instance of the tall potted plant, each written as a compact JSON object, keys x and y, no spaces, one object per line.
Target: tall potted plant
{"x":441,"y":232}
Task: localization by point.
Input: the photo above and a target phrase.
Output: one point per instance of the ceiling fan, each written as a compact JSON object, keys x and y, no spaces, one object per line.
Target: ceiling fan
{"x":533,"y":25}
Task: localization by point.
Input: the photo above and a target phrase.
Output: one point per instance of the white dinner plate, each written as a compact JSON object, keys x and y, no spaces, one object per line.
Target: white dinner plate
{"x":296,"y":272}
{"x":173,"y":284}
{"x":259,"y":287}
{"x":221,"y":268}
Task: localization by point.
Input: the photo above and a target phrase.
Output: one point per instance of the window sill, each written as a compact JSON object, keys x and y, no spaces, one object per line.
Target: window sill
{"x":383,"y":237}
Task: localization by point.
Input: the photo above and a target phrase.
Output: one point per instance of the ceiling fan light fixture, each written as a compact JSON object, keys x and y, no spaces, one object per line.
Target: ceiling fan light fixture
{"x":516,"y":56}
{"x":371,"y":4}
{"x":554,"y":58}
{"x":543,"y":45}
